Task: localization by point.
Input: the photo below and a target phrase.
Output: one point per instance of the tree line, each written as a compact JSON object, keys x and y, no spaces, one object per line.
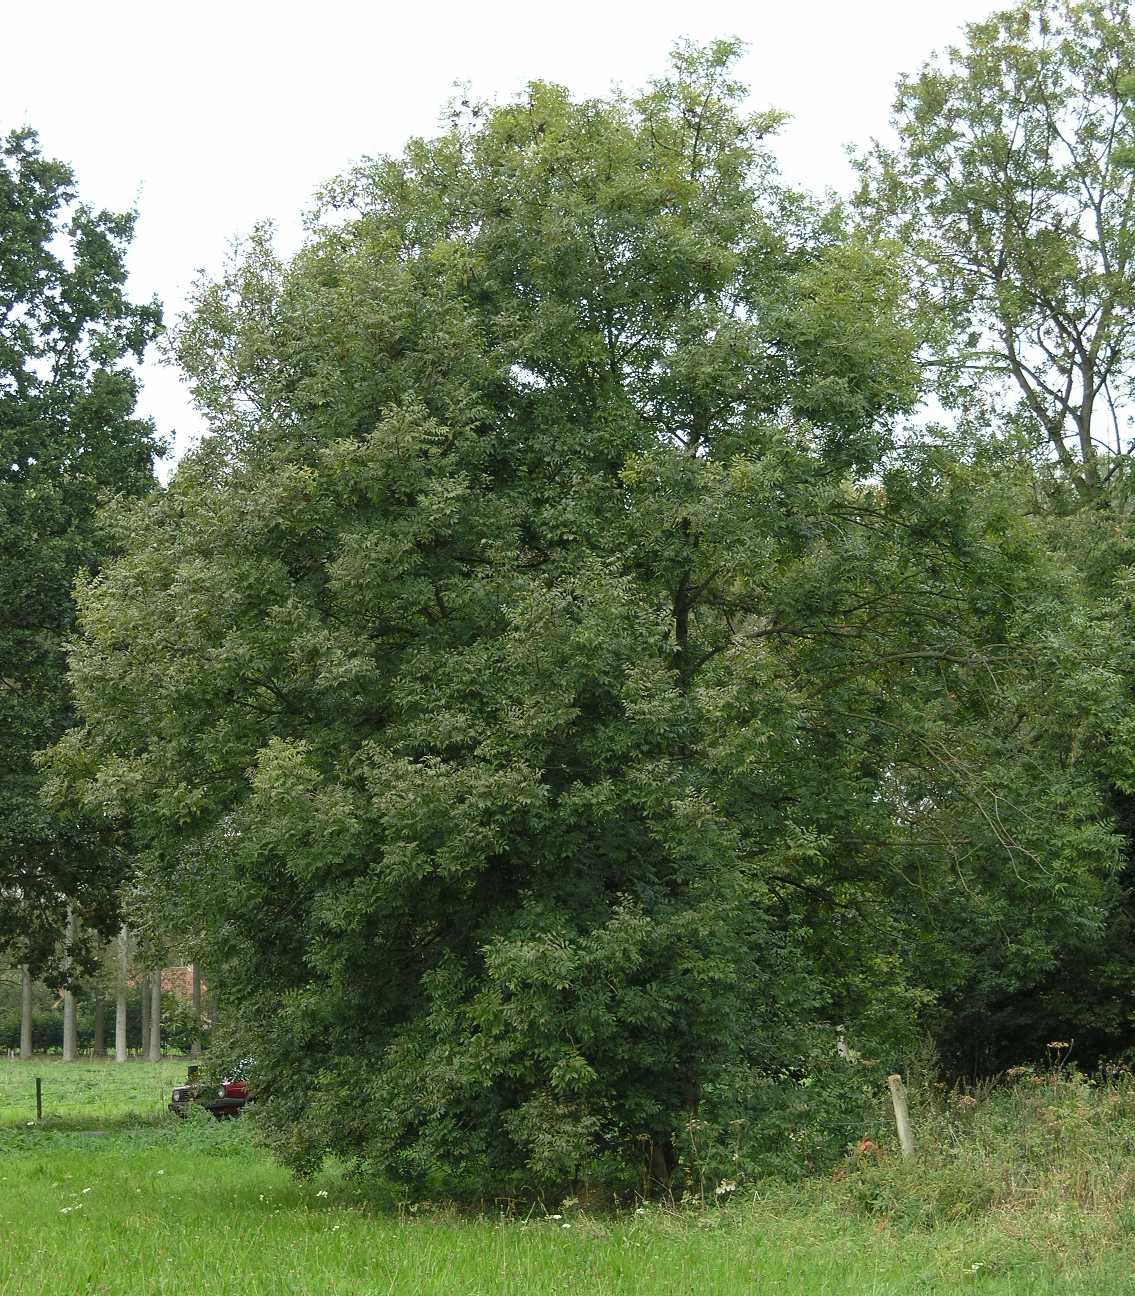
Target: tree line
{"x":117,"y":1007}
{"x":631,"y":626}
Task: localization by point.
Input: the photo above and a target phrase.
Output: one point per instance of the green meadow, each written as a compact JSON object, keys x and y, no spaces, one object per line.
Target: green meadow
{"x":1019,"y":1191}
{"x":86,"y":1091}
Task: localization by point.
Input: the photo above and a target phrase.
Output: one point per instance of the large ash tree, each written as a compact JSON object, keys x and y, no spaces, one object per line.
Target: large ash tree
{"x":546,"y":698}
{"x":68,"y":438}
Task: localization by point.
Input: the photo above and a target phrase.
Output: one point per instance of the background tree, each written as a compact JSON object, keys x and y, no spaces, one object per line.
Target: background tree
{"x":67,"y":438}
{"x":1012,"y":195}
{"x":1010,"y":192}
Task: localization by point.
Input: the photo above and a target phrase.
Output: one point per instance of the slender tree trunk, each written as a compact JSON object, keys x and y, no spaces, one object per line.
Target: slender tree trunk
{"x":144,"y":991}
{"x":70,"y":1046}
{"x":195,"y":1046}
{"x":25,"y":1014}
{"x":155,"y":1053}
{"x":100,"y":1026}
{"x":70,"y":1051}
{"x":120,"y":1047}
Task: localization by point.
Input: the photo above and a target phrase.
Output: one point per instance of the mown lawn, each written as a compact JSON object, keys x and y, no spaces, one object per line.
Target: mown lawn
{"x":194,"y":1207}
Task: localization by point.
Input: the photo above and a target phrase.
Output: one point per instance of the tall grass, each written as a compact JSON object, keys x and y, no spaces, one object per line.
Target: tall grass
{"x":1045,"y":1156}
{"x":161,"y":1211}
{"x":1022,"y":1190}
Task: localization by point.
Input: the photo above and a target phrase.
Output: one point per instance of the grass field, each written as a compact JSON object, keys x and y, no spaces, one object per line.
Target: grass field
{"x":86,"y":1091}
{"x":193,"y":1207}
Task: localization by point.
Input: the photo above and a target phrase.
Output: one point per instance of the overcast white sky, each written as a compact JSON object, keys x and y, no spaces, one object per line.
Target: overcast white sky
{"x":212,"y":116}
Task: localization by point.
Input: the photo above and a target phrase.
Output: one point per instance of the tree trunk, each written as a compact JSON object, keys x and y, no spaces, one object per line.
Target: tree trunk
{"x":195,"y":1046}
{"x":660,"y":1168}
{"x":25,"y":1014}
{"x":70,"y":1051}
{"x":144,"y":991}
{"x":155,"y":1052}
{"x":120,"y":1046}
{"x":100,"y":1026}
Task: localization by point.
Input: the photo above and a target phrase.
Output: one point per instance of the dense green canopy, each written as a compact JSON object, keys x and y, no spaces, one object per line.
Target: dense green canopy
{"x":552,"y":696}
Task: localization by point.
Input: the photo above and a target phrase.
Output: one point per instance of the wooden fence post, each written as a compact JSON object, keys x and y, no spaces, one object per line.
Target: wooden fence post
{"x":902,"y":1115}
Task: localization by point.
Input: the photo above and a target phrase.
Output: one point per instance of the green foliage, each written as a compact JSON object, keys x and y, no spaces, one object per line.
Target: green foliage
{"x":551,"y":701}
{"x":1014,"y":206}
{"x":1011,"y":195}
{"x":67,"y":439}
{"x":179,"y":1024}
{"x":911,"y":1197}
{"x":47,"y":1030}
{"x":1079,"y":988}
{"x":757,"y":1124}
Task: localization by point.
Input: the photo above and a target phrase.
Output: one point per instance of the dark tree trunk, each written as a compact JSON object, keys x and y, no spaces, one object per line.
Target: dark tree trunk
{"x":660,"y":1168}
